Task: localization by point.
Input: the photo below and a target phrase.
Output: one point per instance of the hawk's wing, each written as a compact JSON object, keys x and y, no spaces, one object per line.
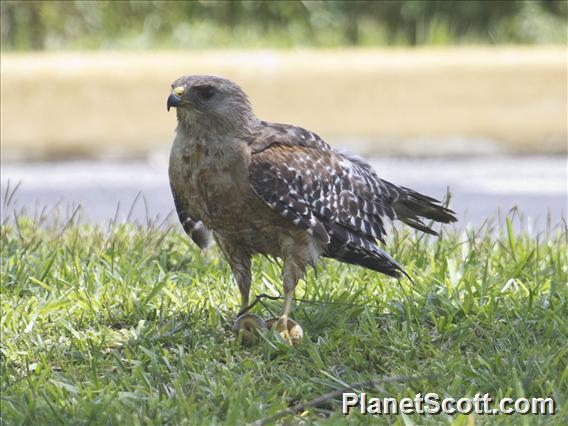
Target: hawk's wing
{"x":192,"y":226}
{"x":337,"y":198}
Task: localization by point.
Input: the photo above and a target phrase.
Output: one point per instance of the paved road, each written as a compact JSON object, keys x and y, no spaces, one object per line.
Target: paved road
{"x":480,"y":186}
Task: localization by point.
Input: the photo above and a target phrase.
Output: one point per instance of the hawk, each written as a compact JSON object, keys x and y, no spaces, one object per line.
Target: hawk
{"x":278,"y":190}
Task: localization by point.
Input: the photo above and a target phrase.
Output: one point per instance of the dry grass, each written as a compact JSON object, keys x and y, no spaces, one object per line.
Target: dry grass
{"x":424,"y":100}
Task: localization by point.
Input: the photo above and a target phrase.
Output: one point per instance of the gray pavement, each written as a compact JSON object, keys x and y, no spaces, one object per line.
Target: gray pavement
{"x":481,"y":187}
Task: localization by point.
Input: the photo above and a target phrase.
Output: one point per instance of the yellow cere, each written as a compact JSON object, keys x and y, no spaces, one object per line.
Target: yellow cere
{"x":179,"y":90}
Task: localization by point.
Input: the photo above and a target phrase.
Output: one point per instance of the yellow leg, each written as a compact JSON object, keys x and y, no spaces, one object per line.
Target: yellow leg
{"x":293,"y":271}
{"x":282,"y":324}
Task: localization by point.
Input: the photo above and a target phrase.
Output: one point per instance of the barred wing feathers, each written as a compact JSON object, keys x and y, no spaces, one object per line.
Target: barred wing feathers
{"x":335,"y":197}
{"x":301,"y":177}
{"x":409,"y":206}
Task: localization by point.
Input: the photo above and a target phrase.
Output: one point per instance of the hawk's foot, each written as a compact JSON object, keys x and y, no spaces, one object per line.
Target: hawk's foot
{"x":290,"y":330}
{"x":248,"y":326}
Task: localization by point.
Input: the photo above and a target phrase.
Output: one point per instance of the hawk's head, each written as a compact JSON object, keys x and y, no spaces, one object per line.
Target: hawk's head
{"x":207,"y":99}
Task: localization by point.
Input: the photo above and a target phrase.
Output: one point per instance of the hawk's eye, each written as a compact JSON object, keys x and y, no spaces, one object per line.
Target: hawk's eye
{"x":204,"y":92}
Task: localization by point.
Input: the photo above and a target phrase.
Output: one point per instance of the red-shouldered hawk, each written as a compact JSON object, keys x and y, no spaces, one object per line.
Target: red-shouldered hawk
{"x":278,"y":190}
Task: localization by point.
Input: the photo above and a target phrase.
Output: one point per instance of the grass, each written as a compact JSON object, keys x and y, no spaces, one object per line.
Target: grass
{"x":131,"y":325}
{"x":396,"y":101}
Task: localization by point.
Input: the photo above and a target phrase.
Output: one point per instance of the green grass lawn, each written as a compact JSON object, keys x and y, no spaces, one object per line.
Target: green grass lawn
{"x":127,"y":325}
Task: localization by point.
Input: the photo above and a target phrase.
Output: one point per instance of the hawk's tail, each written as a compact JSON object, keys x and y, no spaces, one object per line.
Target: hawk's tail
{"x":411,"y":207}
{"x":376,"y":260}
{"x":361,"y":252}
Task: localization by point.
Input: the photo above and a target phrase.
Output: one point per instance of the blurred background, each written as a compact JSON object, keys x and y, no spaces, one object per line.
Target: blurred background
{"x":470,"y":95}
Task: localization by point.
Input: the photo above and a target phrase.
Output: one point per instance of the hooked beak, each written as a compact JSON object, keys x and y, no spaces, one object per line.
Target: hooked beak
{"x":174,"y":100}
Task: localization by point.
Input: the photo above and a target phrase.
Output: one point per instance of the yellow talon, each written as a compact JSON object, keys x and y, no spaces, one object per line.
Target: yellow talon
{"x":289,"y":329}
{"x":248,"y":325}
